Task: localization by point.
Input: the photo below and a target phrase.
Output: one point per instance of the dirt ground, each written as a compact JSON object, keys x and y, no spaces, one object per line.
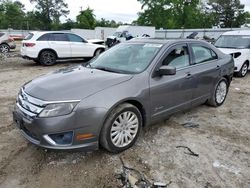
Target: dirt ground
{"x":222,"y":141}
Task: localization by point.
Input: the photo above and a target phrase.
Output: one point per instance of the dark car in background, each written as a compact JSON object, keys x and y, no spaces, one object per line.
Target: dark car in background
{"x":6,"y":42}
{"x":130,"y":86}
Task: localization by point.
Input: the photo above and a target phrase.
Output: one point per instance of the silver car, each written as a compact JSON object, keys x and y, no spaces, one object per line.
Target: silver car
{"x":6,"y":43}
{"x":128,"y":87}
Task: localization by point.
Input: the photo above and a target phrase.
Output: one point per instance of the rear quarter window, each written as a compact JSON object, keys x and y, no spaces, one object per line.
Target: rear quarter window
{"x":45,"y":37}
{"x":29,"y":36}
{"x":203,"y":54}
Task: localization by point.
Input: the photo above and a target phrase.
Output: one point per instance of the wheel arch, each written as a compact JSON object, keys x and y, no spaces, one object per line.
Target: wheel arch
{"x":228,"y":78}
{"x":134,"y":102}
{"x":99,"y":48}
{"x":247,"y":61}
{"x":47,"y":49}
{"x":5,"y":44}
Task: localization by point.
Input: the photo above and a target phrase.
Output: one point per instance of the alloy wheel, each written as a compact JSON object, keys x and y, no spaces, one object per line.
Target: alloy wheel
{"x":221,"y":92}
{"x":244,"y":70}
{"x":4,"y":48}
{"x":124,"y":129}
{"x":48,"y":58}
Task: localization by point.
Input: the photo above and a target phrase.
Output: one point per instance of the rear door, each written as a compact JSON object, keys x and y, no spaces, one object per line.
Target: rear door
{"x":205,"y":70}
{"x":80,"y":47}
{"x":60,"y":43}
{"x":174,"y":92}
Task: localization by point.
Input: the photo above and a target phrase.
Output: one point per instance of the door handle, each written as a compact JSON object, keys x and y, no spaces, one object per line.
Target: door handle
{"x":217,"y":67}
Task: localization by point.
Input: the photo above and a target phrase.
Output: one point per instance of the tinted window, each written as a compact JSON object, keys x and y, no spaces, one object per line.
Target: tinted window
{"x":59,"y":37}
{"x":74,"y":38}
{"x":45,"y":37}
{"x":178,"y":57}
{"x":1,"y":34}
{"x":29,"y":36}
{"x":203,"y":54}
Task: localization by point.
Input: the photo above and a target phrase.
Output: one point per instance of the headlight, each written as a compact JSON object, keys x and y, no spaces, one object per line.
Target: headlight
{"x":59,"y":109}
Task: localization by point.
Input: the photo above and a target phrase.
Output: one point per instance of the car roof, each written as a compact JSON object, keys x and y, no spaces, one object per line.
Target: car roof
{"x":239,"y":32}
{"x":164,"y":41}
{"x":44,"y":32}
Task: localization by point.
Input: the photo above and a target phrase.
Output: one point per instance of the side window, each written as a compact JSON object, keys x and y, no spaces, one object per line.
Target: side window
{"x":202,"y":54}
{"x":75,"y":38}
{"x":45,"y":37}
{"x":60,"y":37}
{"x":178,"y":57}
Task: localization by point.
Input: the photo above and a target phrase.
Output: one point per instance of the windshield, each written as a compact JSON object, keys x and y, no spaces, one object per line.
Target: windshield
{"x":233,"y":41}
{"x":126,"y":58}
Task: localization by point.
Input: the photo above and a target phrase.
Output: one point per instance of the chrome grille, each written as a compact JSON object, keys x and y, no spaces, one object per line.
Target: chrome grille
{"x":29,"y":105}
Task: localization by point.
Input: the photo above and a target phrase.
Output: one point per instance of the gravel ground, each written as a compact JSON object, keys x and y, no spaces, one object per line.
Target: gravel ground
{"x":221,"y":140}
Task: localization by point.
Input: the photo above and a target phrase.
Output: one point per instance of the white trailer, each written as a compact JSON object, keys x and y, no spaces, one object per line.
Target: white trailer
{"x":137,"y":31}
{"x":127,"y":32}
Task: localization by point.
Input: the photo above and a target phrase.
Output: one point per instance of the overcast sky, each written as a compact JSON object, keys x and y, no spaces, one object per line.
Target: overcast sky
{"x":118,"y":10}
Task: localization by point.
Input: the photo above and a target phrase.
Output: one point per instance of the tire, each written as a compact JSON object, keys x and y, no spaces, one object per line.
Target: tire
{"x":243,"y":70}
{"x":219,"y":93}
{"x":4,"y":48}
{"x":98,"y":52}
{"x":47,"y":58}
{"x":115,"y":136}
{"x":37,"y":61}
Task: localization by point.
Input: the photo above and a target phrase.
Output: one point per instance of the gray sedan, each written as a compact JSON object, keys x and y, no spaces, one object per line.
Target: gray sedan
{"x":130,"y":86}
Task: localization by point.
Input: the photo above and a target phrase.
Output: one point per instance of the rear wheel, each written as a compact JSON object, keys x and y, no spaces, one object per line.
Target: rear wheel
{"x":219,"y":94}
{"x":47,"y":58}
{"x":98,"y":52}
{"x":4,"y":48}
{"x":243,"y":70}
{"x":121,"y":129}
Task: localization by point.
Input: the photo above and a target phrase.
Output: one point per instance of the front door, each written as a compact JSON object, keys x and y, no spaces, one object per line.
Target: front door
{"x":174,"y":92}
{"x":80,"y":47}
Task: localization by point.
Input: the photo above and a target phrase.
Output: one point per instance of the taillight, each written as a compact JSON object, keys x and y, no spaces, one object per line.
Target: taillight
{"x":28,"y":44}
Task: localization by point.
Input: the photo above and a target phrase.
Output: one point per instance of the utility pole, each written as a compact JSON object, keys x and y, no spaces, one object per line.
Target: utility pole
{"x":186,"y":3}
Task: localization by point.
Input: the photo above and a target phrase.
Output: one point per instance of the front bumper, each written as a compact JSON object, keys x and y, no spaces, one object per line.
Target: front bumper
{"x":36,"y":130}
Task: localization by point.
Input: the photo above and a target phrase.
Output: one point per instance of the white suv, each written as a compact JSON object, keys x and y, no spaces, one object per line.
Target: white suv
{"x":236,"y":43}
{"x":47,"y":47}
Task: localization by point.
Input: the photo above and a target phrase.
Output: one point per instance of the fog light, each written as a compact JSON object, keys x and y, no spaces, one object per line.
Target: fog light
{"x":62,"y":138}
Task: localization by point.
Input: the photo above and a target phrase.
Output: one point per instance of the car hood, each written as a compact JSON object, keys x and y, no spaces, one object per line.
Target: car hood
{"x":231,"y":50}
{"x":74,"y":83}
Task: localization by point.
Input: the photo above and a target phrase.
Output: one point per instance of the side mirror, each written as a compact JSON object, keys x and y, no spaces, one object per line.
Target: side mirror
{"x":167,"y":70}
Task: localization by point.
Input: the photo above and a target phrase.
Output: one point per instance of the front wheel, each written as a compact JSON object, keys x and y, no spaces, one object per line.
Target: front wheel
{"x":121,"y":129}
{"x":243,"y":70}
{"x":219,"y":94}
